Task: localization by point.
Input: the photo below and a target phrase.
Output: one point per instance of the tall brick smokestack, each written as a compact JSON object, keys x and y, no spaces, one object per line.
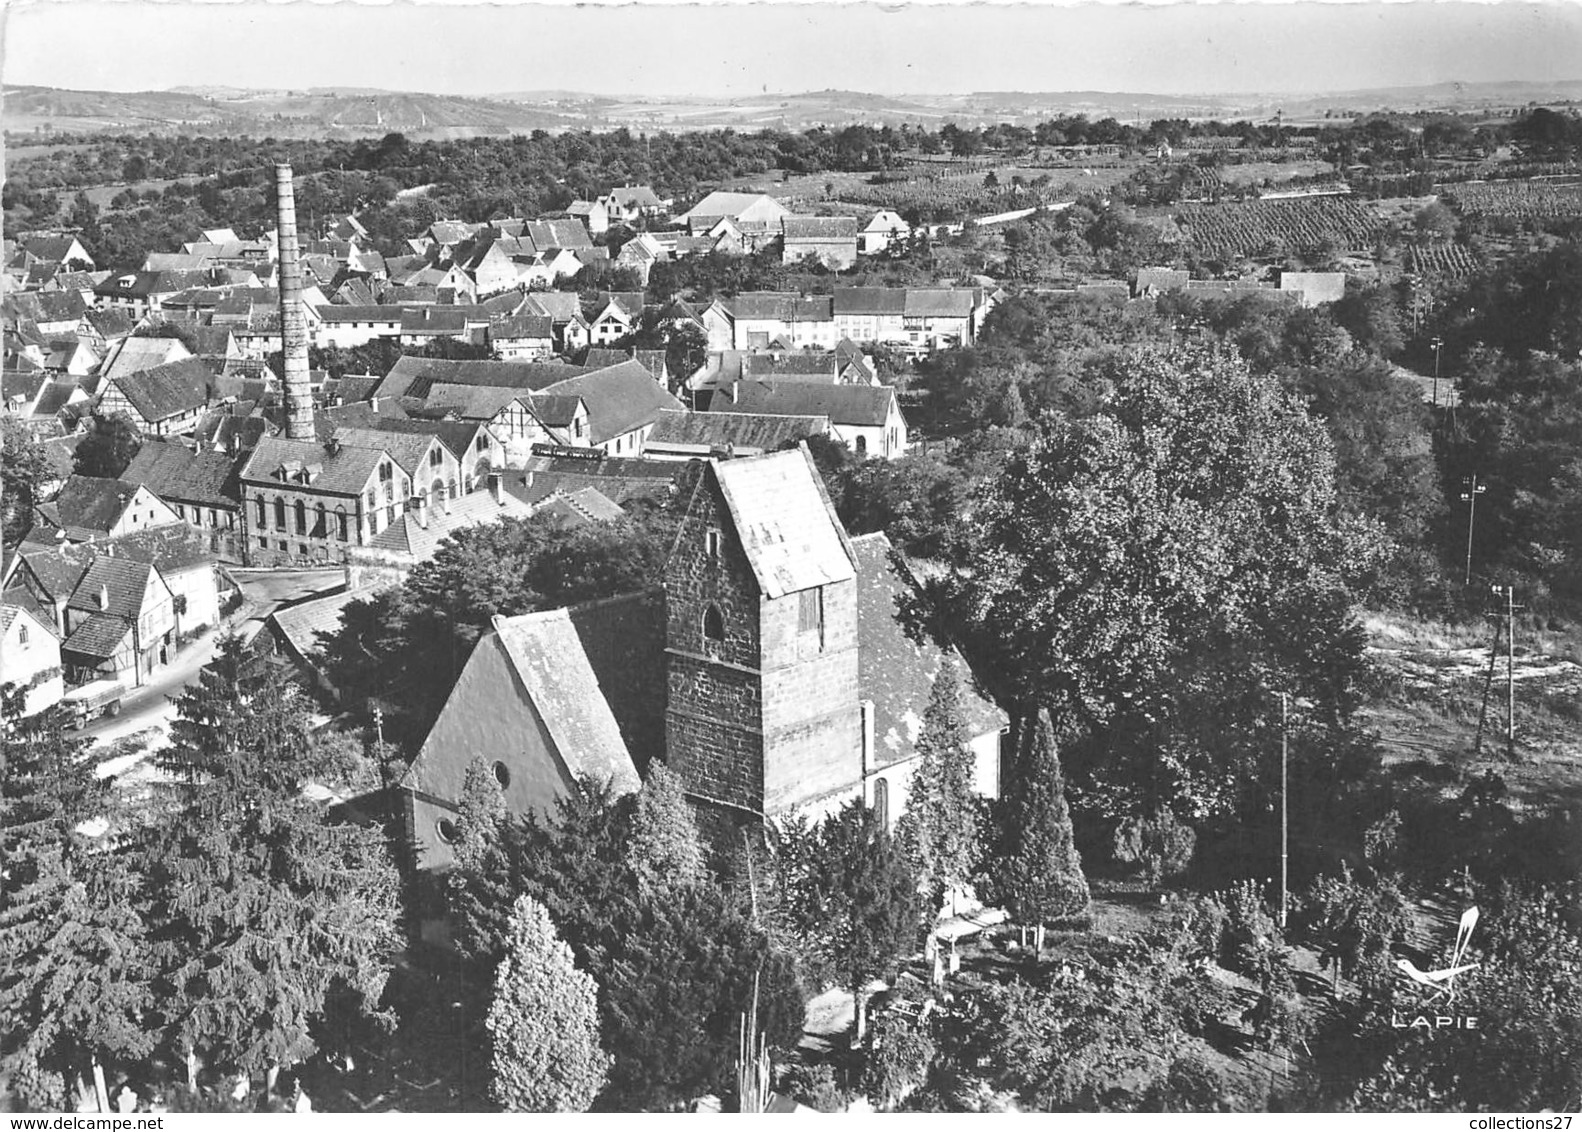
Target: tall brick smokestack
{"x":293,"y":331}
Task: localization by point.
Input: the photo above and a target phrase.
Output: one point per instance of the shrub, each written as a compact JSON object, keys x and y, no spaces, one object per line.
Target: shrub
{"x":814,"y":1086}
{"x":1161,"y":843}
{"x":900,"y":1053}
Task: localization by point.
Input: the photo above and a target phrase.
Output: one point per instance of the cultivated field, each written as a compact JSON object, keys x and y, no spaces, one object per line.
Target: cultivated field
{"x":1229,"y":230}
{"x":1519,"y":200}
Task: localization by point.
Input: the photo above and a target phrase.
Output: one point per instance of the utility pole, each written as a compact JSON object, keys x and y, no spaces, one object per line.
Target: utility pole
{"x":1437,"y":343}
{"x":1284,"y":794}
{"x":1509,"y":593}
{"x":1470,"y":498}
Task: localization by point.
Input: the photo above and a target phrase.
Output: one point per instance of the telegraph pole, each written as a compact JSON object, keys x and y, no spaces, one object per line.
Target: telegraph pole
{"x":1470,"y":498}
{"x":1284,"y":794}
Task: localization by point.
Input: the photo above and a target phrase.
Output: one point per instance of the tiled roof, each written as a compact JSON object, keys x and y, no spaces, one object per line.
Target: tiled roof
{"x":556,"y":410}
{"x":619,"y":399}
{"x":343,"y":471}
{"x":582,"y":506}
{"x":601,"y":357}
{"x":866,"y":406}
{"x":334,"y":313}
{"x":124,"y":581}
{"x":58,"y":568}
{"x":785,"y":522}
{"x":99,"y":636}
{"x":167,"y":390}
{"x":89,"y":503}
{"x":762,"y":305}
{"x":175,"y":473}
{"x":302,"y":623}
{"x":413,"y":377}
{"x":763,"y":367}
{"x":728,"y":204}
{"x":707,"y":431}
{"x":820,"y":227}
{"x":552,"y":652}
{"x":522,"y":326}
{"x":134,"y":354}
{"x":952,"y":302}
{"x":561,"y":306}
{"x":635,"y":196}
{"x":171,"y":549}
{"x":473,"y":402}
{"x":895,"y":672}
{"x":870,"y":301}
{"x":409,"y":450}
{"x":407,"y":536}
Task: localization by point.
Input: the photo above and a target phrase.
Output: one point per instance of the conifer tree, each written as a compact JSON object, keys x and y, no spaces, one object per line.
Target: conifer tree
{"x":267,"y":906}
{"x":940,"y":826}
{"x":479,"y":889}
{"x":664,"y":849}
{"x":74,"y":954}
{"x":544,"y":1021}
{"x":1035,"y":871}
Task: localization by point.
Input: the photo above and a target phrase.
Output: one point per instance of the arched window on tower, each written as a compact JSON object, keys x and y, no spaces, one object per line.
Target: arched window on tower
{"x":713,"y":623}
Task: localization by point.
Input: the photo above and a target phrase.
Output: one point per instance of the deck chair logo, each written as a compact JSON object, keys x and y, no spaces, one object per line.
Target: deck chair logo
{"x":1440,"y":985}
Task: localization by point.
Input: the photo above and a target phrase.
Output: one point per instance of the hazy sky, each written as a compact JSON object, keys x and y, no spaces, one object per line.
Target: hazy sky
{"x":742,"y":48}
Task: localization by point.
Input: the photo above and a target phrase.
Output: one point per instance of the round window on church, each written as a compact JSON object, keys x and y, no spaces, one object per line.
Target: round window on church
{"x":502,"y":775}
{"x":448,"y":833}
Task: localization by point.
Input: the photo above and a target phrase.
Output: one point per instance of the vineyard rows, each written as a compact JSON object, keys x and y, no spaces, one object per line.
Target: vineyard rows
{"x":1519,"y":200}
{"x":1303,"y":225}
{"x":1442,"y":257}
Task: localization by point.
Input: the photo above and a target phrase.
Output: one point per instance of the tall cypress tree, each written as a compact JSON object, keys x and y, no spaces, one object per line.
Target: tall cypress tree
{"x":74,"y":953}
{"x":267,"y":905}
{"x":544,"y":1022}
{"x":1035,"y":871}
{"x":940,"y":826}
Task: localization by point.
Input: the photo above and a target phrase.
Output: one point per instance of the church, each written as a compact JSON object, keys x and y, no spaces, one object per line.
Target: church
{"x":769,"y":670}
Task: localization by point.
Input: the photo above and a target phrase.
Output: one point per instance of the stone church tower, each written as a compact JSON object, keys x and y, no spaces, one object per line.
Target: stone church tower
{"x":763,"y":713}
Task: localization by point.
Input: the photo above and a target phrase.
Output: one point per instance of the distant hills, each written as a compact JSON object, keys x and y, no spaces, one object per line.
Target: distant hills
{"x":357,"y":112}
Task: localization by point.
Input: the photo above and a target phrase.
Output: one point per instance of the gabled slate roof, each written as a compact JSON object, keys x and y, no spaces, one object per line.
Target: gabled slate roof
{"x":302,"y":623}
{"x":791,"y":367}
{"x":619,"y":399}
{"x":414,"y":377}
{"x":522,"y":326}
{"x":174,"y":472}
{"x":820,"y":227}
{"x":99,"y":636}
{"x":785,"y":522}
{"x":870,"y":301}
{"x":168,"y":390}
{"x":134,"y":354}
{"x":89,"y":504}
{"x":866,"y":406}
{"x":951,"y":302}
{"x":707,"y":431}
{"x":124,"y":581}
{"x":895,"y":672}
{"x":172,"y":549}
{"x":344,"y":471}
{"x":409,"y":450}
{"x":408,"y":537}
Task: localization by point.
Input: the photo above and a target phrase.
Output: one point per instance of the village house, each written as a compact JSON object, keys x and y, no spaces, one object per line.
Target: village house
{"x":201,"y":487}
{"x":63,"y":249}
{"x":564,"y":311}
{"x":865,"y":418}
{"x":421,"y":326}
{"x":30,"y":659}
{"x":886,"y":231}
{"x":187,"y":567}
{"x":745,"y":211}
{"x":309,"y":502}
{"x":921,"y":318}
{"x":827,"y":240}
{"x":515,"y":419}
{"x":634,"y":204}
{"x":434,"y":471}
{"x":164,"y":401}
{"x":120,"y":622}
{"x":350,"y":326}
{"x":619,"y":313}
{"x":91,"y":509}
{"x":758,"y":320}
{"x":593,"y":213}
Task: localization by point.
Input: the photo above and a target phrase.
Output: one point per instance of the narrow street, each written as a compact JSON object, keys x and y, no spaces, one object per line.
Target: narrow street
{"x":152,"y":707}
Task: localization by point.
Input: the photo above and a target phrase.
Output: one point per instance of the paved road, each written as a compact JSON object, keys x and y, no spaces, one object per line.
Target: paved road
{"x":151,"y":708}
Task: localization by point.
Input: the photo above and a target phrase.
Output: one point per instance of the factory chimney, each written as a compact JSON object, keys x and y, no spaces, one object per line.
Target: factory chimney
{"x":293,"y":331}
